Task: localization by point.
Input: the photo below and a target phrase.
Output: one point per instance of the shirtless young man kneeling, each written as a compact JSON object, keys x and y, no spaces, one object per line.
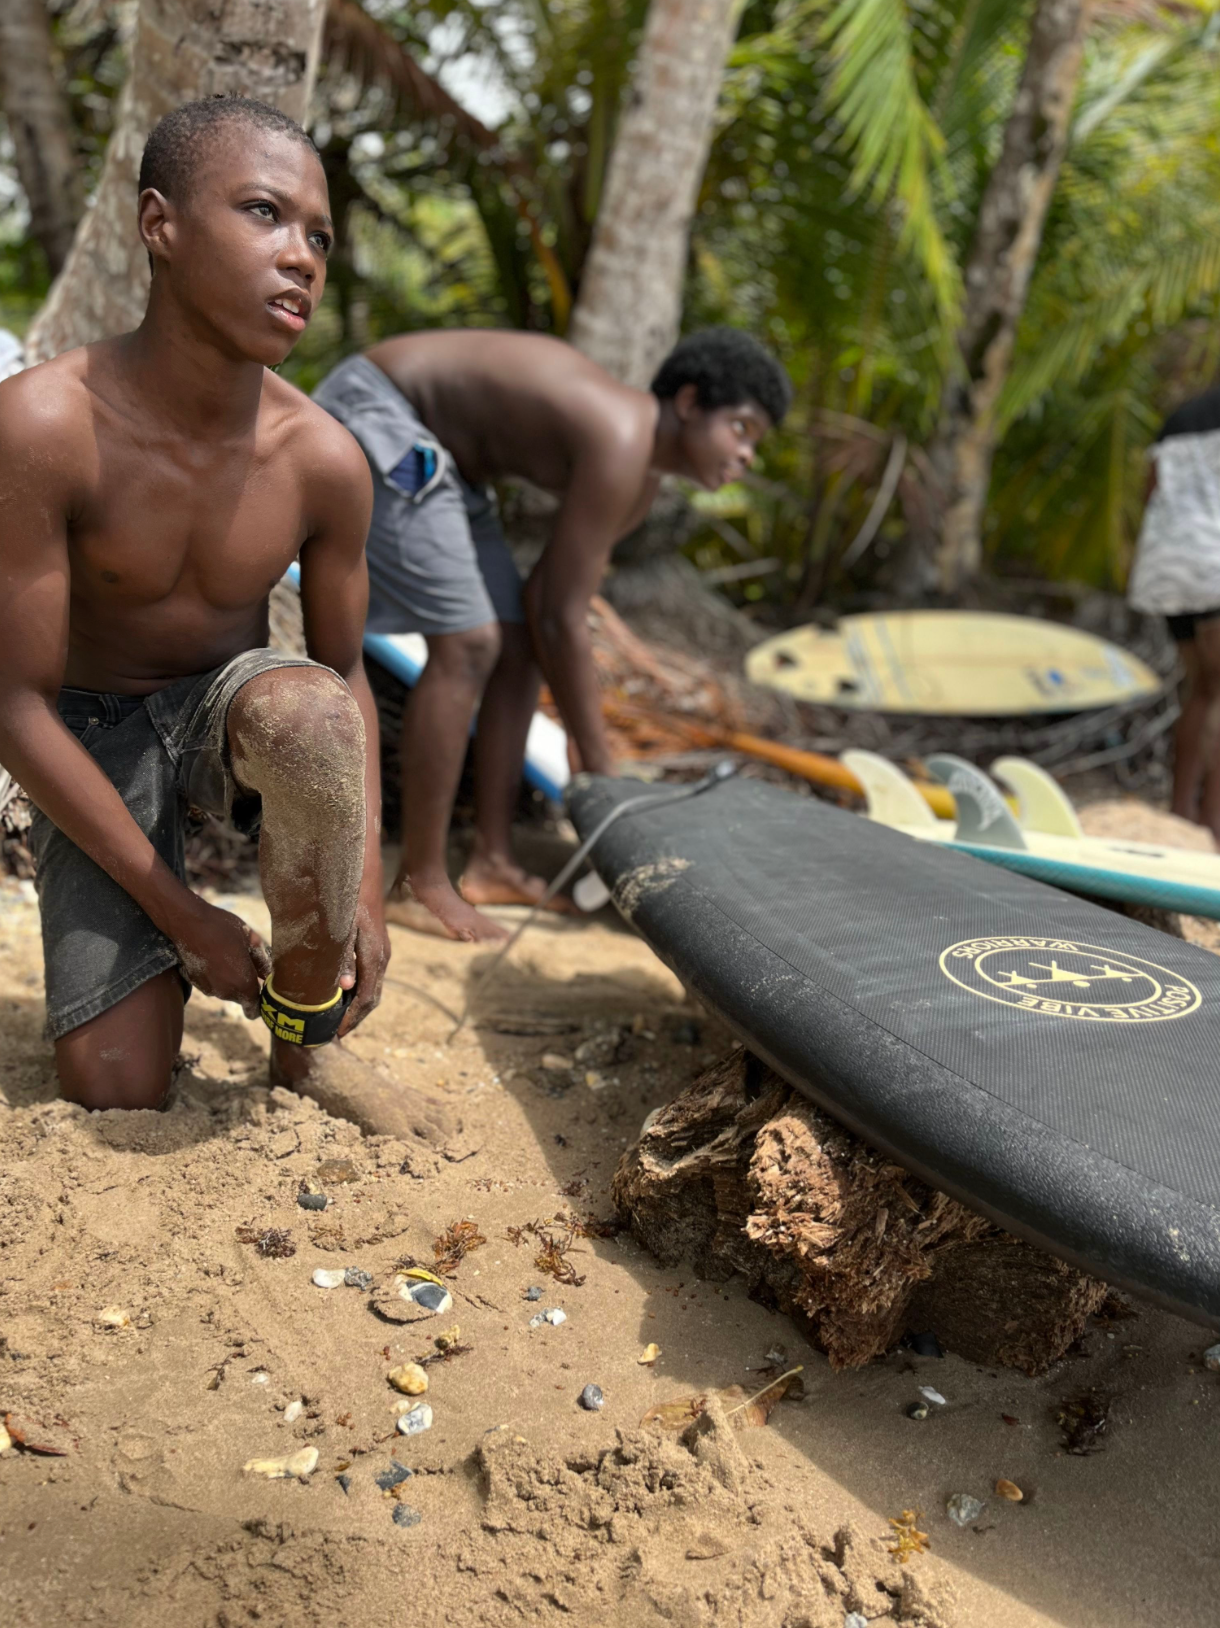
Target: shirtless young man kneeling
{"x":153,"y":489}
{"x":440,"y":415}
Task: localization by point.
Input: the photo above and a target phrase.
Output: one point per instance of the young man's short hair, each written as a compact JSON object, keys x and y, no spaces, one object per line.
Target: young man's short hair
{"x":179,"y":142}
{"x":727,"y":368}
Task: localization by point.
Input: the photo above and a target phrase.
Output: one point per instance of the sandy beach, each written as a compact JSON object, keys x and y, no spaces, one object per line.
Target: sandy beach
{"x":531,"y":1508}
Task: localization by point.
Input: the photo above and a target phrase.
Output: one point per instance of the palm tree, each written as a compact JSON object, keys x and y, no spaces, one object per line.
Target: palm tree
{"x":998,"y":269}
{"x":630,"y":303}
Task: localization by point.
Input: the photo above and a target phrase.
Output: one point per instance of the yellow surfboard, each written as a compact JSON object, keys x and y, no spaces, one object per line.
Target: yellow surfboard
{"x":965,"y":663}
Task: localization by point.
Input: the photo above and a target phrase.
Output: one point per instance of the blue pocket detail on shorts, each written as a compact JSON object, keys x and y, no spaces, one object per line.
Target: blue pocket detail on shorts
{"x":418,"y":472}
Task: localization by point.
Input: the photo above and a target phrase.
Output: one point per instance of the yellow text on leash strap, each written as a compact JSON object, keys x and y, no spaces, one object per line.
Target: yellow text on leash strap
{"x":301,"y":1025}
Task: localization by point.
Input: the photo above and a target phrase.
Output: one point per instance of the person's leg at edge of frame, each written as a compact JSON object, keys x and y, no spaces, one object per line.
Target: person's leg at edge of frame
{"x":492,"y":875}
{"x":1198,"y":733}
{"x":436,"y":728}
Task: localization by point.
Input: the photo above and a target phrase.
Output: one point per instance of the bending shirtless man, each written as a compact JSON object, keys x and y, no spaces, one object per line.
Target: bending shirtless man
{"x":440,"y":416}
{"x":153,"y":489}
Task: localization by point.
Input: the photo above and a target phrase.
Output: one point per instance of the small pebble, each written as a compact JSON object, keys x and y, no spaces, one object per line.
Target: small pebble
{"x":649,"y":1355}
{"x":392,"y":1477}
{"x":533,"y":1293}
{"x":555,"y":1062}
{"x":328,"y":1278}
{"x":416,"y":1420}
{"x":777,"y":1357}
{"x":853,"y":1619}
{"x":312,"y":1201}
{"x":1211,"y":1359}
{"x":930,"y":1395}
{"x":337,"y":1170}
{"x":260,"y":1377}
{"x":591,"y":1398}
{"x":113,"y":1317}
{"x":404,"y":1515}
{"x":6,"y":1441}
{"x":294,"y":1411}
{"x":431,"y":1296}
{"x":925,"y":1345}
{"x":345,"y":1481}
{"x":1009,"y":1490}
{"x":918,"y":1410}
{"x":410,"y":1379}
{"x":963,"y":1510}
{"x":354,"y":1278}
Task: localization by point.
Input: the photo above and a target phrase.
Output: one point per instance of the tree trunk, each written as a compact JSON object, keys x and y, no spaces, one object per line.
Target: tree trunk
{"x":630,"y":302}
{"x":40,"y":125}
{"x":1007,"y":238}
{"x":183,"y":49}
{"x":742,"y":1174}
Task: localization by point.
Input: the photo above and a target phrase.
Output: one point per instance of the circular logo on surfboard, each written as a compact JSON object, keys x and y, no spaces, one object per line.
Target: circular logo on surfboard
{"x":1058,"y":977}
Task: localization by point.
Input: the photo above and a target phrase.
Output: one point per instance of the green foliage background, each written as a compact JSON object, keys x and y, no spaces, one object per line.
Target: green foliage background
{"x":854,"y":139}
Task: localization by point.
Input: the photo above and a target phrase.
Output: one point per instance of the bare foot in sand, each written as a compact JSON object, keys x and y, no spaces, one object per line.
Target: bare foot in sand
{"x":437,"y":908}
{"x":490,"y":880}
{"x":348,"y":1089}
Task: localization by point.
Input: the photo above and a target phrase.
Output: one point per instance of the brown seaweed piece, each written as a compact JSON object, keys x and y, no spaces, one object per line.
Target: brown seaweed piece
{"x":1082,"y":1419}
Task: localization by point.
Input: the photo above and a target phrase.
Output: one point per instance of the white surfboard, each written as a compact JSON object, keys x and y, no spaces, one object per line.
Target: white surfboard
{"x":1136,"y":872}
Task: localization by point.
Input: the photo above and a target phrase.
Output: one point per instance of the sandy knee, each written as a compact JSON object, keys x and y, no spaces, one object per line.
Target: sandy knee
{"x":298,"y":729}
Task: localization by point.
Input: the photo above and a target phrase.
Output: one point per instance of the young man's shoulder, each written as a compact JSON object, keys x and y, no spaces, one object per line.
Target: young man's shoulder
{"x":46,"y":411}
{"x":322,"y":447}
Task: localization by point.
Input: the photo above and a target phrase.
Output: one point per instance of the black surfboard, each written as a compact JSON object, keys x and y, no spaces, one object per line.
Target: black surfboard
{"x":1054,"y":1065}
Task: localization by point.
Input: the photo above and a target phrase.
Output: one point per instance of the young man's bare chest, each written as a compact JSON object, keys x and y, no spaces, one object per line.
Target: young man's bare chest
{"x":174,"y":544}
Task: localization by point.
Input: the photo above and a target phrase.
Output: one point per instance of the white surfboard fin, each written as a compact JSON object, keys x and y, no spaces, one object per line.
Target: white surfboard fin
{"x":892,"y":798}
{"x":1044,"y":805}
{"x":982,"y":814}
{"x":590,"y":893}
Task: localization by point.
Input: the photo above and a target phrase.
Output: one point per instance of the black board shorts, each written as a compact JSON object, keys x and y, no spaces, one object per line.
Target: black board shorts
{"x":166,"y":754}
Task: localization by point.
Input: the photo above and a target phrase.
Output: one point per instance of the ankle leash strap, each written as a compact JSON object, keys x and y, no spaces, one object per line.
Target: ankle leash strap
{"x":300,"y":1025}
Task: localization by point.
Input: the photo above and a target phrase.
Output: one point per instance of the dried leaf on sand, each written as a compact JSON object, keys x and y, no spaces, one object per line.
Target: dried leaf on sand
{"x":454,"y":1244}
{"x":33,"y":1438}
{"x":553,"y":1248}
{"x":907,"y":1540}
{"x":272,"y":1243}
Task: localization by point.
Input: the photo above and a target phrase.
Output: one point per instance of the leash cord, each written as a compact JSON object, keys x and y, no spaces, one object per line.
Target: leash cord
{"x":723,"y":771}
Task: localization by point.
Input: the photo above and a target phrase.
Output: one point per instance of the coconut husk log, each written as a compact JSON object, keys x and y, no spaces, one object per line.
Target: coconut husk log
{"x":742,"y":1174}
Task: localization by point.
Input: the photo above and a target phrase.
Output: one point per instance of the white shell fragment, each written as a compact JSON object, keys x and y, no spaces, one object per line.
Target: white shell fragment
{"x":294,"y":1411}
{"x":1211,"y":1359}
{"x":553,"y":1315}
{"x":6,"y":1441}
{"x":962,"y":1509}
{"x":934,"y":1396}
{"x":304,"y":1462}
{"x":325,"y":1278}
{"x":415,"y":1420}
{"x":113,"y":1317}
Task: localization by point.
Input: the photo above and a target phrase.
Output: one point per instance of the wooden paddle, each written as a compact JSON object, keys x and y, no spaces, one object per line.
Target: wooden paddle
{"x":813,"y":766}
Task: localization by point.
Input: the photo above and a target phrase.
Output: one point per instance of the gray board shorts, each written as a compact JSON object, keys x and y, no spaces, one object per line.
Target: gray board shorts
{"x":166,"y":754}
{"x":438,"y":559}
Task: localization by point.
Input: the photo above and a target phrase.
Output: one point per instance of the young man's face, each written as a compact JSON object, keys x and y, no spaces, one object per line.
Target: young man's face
{"x":245,"y":250}
{"x":718,"y":443}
